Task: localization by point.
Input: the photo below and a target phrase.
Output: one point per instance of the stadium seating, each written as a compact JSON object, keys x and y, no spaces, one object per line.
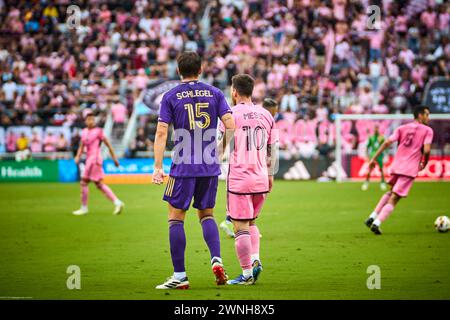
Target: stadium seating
{"x":316,"y":58}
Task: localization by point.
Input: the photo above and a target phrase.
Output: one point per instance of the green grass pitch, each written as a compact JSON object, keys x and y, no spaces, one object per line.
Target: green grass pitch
{"x":314,"y":244}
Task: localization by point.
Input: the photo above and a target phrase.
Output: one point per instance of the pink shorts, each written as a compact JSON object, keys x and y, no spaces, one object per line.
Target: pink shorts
{"x":401,"y":184}
{"x":93,"y":171}
{"x":244,"y":206}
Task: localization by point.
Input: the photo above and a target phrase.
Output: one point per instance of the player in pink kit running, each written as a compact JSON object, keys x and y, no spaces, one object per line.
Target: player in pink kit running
{"x":91,"y":140}
{"x":250,"y":174}
{"x":414,"y":146}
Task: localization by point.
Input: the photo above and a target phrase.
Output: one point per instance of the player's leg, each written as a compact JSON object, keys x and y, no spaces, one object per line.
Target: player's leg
{"x":400,"y":190}
{"x":241,"y":212}
{"x":243,"y":246}
{"x":178,"y":194}
{"x":381,"y":203}
{"x":255,"y":235}
{"x":84,"y":195}
{"x":204,"y":201}
{"x":385,"y":213}
{"x":177,"y":241}
{"x":212,"y":239}
{"x":118,"y":205}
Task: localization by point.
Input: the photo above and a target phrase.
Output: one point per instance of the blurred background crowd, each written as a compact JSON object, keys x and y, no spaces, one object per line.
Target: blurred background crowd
{"x":316,"y":58}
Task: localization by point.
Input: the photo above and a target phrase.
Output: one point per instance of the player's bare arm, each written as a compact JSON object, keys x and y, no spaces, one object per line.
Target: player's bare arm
{"x":111,"y":151}
{"x":228,"y":122}
{"x":79,"y":152}
{"x":426,"y":156}
{"x":159,"y":147}
{"x":383,"y":147}
{"x":272,"y":156}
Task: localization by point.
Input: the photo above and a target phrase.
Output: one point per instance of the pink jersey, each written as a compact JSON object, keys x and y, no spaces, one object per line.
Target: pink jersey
{"x":410,"y":137}
{"x":92,"y":140}
{"x":248,"y":171}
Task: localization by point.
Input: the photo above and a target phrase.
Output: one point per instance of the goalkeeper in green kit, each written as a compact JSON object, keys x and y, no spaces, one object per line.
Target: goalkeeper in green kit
{"x":373,"y":144}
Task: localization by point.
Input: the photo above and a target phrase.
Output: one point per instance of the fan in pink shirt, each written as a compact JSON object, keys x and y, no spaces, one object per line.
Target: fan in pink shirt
{"x":250,"y":175}
{"x":414,"y":145}
{"x":92,"y":138}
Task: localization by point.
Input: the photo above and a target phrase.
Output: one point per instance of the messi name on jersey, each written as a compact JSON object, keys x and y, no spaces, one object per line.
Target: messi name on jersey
{"x":194,"y":94}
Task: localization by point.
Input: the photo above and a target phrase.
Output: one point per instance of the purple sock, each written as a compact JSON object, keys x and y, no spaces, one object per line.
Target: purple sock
{"x":177,"y":240}
{"x":211,"y":236}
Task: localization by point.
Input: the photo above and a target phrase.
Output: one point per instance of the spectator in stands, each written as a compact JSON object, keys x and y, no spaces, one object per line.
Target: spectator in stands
{"x":140,"y":143}
{"x":121,"y":46}
{"x":22,"y":142}
{"x":61,"y":143}
{"x":36,"y":142}
{"x":50,"y":143}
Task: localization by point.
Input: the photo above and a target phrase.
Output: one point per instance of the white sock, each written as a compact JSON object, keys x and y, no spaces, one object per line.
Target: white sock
{"x":84,"y":207}
{"x":377,"y":222}
{"x":117,"y":202}
{"x":373,"y":215}
{"x":218,"y":259}
{"x":179,"y":275}
{"x":247,"y":273}
{"x":255,"y":257}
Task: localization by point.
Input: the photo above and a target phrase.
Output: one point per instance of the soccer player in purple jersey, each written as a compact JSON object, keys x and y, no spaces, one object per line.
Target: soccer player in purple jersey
{"x":193,"y":108}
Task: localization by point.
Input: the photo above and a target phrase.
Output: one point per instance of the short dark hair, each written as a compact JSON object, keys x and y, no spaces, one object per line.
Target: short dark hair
{"x":189,"y":64}
{"x":243,"y":83}
{"x":269,"y":103}
{"x":420,"y":110}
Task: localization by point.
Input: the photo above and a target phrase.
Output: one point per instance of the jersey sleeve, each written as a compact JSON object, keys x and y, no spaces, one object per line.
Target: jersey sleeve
{"x":429,"y":136}
{"x":165,"y":110}
{"x":395,"y":135}
{"x":222,"y":105}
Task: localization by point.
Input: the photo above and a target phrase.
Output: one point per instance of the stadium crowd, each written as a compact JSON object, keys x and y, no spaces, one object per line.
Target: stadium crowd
{"x":316,"y":58}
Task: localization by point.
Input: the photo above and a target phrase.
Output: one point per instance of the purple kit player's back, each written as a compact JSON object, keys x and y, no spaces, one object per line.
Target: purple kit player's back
{"x":194,"y":109}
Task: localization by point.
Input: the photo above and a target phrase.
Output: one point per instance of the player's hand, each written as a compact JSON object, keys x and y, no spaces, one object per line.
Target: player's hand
{"x":270,"y":183}
{"x":116,"y":162}
{"x":77,"y":160}
{"x":158,"y":176}
{"x":372,"y":164}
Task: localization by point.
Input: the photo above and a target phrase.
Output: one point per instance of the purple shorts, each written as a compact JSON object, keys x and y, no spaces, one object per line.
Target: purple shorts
{"x":180,"y":191}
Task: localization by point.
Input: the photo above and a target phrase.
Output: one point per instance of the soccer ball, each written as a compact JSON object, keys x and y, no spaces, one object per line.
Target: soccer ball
{"x":442,"y":224}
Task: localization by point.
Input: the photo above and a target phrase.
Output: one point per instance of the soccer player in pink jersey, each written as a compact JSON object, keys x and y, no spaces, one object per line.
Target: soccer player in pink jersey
{"x":91,"y":140}
{"x":227,"y":225}
{"x":414,"y":146}
{"x":250,"y":174}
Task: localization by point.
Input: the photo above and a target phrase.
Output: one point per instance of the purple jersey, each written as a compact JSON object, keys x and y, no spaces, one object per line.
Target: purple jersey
{"x":194,"y":108}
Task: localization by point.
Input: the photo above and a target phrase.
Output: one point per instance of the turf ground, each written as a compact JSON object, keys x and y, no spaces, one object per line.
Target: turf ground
{"x":314,"y":245}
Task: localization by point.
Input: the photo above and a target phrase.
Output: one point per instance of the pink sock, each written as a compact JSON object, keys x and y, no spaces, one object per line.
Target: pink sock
{"x":84,"y":193}
{"x":254,"y":234}
{"x":386,"y":212}
{"x":107,"y":192}
{"x":243,"y":245}
{"x":384,"y":199}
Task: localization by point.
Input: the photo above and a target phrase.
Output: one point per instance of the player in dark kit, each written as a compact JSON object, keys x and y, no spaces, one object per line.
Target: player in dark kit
{"x":193,"y":108}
